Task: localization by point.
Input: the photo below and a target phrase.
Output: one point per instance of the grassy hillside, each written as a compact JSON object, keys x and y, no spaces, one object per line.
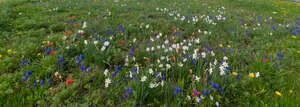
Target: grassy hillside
{"x":149,"y":53}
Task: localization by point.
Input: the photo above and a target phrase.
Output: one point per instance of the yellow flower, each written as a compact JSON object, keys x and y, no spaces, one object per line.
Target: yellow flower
{"x":234,"y":73}
{"x":15,"y":52}
{"x":294,"y":37}
{"x":291,"y":91}
{"x":0,"y":56}
{"x":9,"y":50}
{"x":298,"y":52}
{"x":221,"y":45}
{"x":251,"y":75}
{"x":44,"y":42}
{"x":39,"y":54}
{"x":229,"y":46}
{"x":278,"y":93}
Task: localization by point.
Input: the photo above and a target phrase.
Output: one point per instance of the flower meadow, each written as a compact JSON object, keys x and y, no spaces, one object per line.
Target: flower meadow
{"x":149,"y":53}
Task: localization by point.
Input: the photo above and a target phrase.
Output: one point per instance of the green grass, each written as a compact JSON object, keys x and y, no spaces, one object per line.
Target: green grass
{"x":27,"y":25}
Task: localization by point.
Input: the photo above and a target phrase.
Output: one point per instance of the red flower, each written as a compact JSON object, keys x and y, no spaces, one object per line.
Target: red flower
{"x":203,"y":79}
{"x":69,"y":80}
{"x":135,"y":50}
{"x":198,"y":93}
{"x":193,"y":94}
{"x":67,"y":32}
{"x":121,"y":44}
{"x":266,"y":60}
{"x":173,"y":58}
{"x":148,"y":59}
{"x":122,"y":41}
{"x":174,"y":28}
{"x":191,"y":71}
{"x":73,"y":17}
{"x":50,"y":43}
{"x":52,"y":52}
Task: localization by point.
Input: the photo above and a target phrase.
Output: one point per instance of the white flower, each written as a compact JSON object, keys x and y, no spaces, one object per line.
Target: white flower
{"x":203,"y":54}
{"x":147,"y":26}
{"x":211,"y":97}
{"x":107,"y":82}
{"x":210,"y":70}
{"x":151,"y":85}
{"x":198,"y":99}
{"x":161,"y":65}
{"x":197,"y":78}
{"x":188,"y":97}
{"x":144,"y":78}
{"x":217,"y":104}
{"x":180,"y":64}
{"x":168,"y":66}
{"x":257,"y":75}
{"x":212,"y":53}
{"x":96,"y":42}
{"x":103,"y":48}
{"x":84,"y":25}
{"x":80,"y":31}
{"x":162,"y":83}
{"x":147,"y":49}
{"x":105,"y":72}
{"x":150,"y":71}
{"x":106,"y":43}
{"x":85,"y":42}
{"x":134,"y":40}
{"x":225,"y":58}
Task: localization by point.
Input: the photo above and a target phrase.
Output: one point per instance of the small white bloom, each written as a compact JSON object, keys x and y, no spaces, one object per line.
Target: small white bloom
{"x":96,"y":42}
{"x":217,"y":104}
{"x":150,"y":71}
{"x":105,"y":72}
{"x":257,"y":75}
{"x":144,"y":78}
{"x":107,"y":82}
{"x":85,"y":42}
{"x":203,"y":54}
{"x":211,"y":97}
{"x":106,"y":43}
{"x":168,"y":66}
{"x":197,"y":78}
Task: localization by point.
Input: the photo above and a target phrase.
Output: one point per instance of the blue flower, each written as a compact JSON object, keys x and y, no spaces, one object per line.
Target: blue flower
{"x":41,"y":82}
{"x":27,"y":86}
{"x":119,"y":67}
{"x":34,"y":84}
{"x":175,"y":93}
{"x":24,"y":78}
{"x":121,"y":28}
{"x":49,"y":80}
{"x":24,"y":74}
{"x":29,"y":72}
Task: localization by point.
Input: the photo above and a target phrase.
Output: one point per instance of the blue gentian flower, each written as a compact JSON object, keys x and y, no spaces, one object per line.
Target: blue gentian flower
{"x":119,"y":67}
{"x":41,"y":82}
{"x":29,"y":72}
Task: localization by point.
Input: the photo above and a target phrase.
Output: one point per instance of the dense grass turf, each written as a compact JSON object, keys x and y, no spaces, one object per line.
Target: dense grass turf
{"x":149,"y":53}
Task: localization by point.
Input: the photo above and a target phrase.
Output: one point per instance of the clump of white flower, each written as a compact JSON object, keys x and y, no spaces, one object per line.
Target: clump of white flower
{"x":107,"y":82}
{"x":144,"y":78}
